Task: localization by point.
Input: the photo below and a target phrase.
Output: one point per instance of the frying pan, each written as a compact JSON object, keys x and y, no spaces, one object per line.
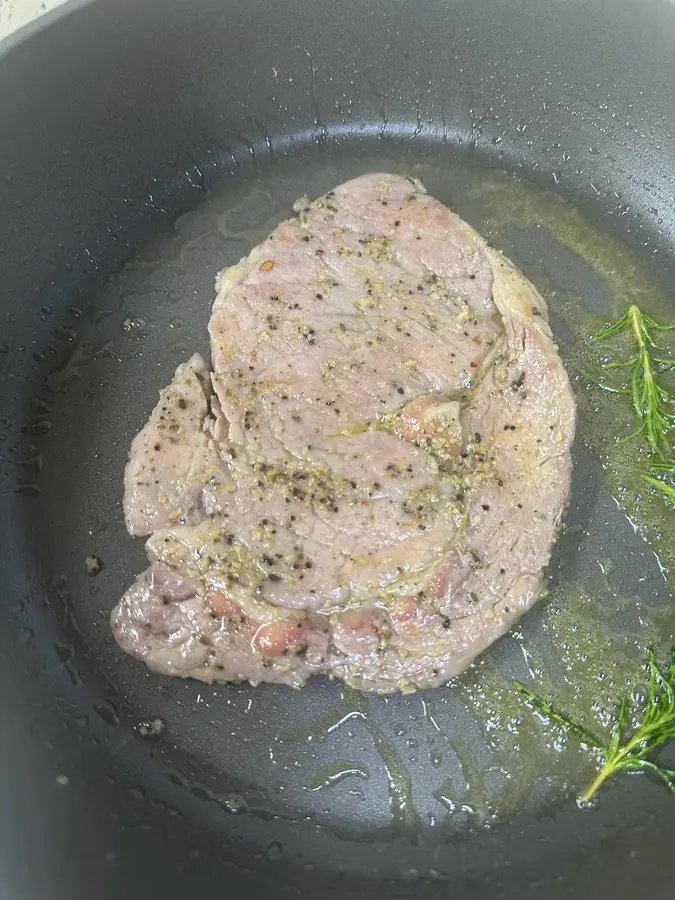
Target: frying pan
{"x":144,"y":144}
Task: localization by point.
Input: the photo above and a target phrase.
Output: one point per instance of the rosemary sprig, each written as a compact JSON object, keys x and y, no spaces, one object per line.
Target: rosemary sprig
{"x":626,"y":750}
{"x":653,"y":404}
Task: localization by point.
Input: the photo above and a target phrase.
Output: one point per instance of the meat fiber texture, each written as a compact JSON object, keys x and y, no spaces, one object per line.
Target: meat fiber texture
{"x":368,"y":479}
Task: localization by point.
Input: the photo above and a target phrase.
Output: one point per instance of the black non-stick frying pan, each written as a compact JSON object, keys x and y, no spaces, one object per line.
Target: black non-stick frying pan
{"x":144,"y":144}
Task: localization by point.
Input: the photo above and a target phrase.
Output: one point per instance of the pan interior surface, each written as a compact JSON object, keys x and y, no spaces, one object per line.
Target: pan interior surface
{"x":432,"y":772}
{"x":175,"y":136}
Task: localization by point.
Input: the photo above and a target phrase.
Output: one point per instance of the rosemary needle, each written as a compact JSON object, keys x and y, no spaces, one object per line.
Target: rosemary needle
{"x":654,"y":405}
{"x":627,"y":749}
{"x":668,"y":489}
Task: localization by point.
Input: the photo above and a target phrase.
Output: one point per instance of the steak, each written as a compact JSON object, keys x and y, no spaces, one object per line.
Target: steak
{"x":368,"y":479}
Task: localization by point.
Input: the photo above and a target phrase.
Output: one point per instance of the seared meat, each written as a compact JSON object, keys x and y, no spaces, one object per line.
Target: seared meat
{"x":370,"y":481}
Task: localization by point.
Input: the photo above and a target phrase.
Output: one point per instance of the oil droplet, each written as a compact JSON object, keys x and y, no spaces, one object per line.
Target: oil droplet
{"x":334,"y":773}
{"x":24,"y":635}
{"x":62,"y":780}
{"x":134,"y":323}
{"x":319,"y":729}
{"x":593,"y":803}
{"x":275,"y":851}
{"x":106,"y":711}
{"x":151,"y":729}
{"x":234,"y":804}
{"x":447,"y":796}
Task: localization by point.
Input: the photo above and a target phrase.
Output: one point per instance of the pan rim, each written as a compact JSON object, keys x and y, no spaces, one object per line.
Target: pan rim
{"x":26,"y":32}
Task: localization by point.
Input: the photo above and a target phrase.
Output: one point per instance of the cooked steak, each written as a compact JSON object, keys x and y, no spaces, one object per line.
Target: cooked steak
{"x":368,"y":481}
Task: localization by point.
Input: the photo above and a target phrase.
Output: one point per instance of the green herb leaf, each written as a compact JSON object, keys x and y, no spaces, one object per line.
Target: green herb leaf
{"x":668,"y":489}
{"x":625,"y":752}
{"x":548,"y":711}
{"x":653,"y":404}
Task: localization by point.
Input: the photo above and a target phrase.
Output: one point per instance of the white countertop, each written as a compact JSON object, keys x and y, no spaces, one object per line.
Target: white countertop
{"x":15,"y":13}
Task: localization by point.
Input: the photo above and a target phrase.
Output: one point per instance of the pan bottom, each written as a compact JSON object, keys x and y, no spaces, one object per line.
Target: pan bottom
{"x":327,"y":778}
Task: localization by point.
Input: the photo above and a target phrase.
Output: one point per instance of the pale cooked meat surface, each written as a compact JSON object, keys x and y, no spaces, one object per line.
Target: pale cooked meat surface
{"x":368,"y":480}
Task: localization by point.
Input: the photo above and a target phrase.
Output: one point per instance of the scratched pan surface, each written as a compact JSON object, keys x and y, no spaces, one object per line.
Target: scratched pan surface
{"x":150,"y":144}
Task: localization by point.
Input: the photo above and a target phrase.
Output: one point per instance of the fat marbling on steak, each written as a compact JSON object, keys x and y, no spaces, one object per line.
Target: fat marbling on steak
{"x":368,"y":479}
